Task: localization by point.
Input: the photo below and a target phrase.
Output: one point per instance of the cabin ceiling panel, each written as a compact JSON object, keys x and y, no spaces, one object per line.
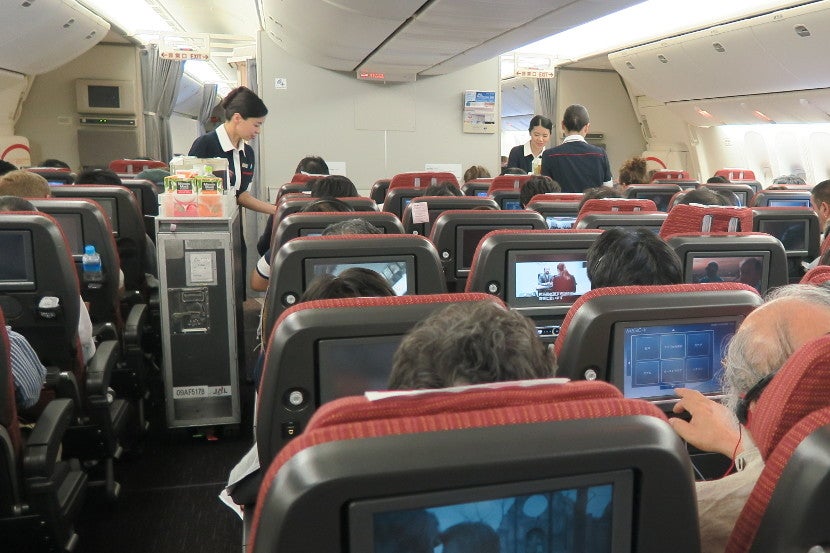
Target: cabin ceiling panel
{"x":723,"y":61}
{"x":238,"y":17}
{"x":804,"y":106}
{"x":39,"y":36}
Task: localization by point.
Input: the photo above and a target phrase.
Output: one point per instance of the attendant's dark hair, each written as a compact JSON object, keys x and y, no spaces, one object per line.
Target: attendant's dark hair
{"x":98,"y":176}
{"x":312,"y":165}
{"x":333,"y":186}
{"x":243,"y":101}
{"x":537,"y":184}
{"x":540,"y":121}
{"x":356,"y":282}
{"x":632,"y":257}
{"x":575,"y":118}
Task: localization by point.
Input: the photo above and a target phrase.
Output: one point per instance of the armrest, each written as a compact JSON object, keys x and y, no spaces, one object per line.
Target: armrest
{"x":43,"y":446}
{"x":134,"y":327}
{"x":104,"y":331}
{"x":65,"y":386}
{"x":100,"y":367}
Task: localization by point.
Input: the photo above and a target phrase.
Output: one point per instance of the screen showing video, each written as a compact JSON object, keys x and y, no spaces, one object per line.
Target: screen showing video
{"x":799,"y":202}
{"x":793,"y":234}
{"x":556,"y":222}
{"x":398,"y":271}
{"x":469,"y":238}
{"x":747,"y":268}
{"x":511,"y":204}
{"x":659,"y":358}
{"x":545,"y":278}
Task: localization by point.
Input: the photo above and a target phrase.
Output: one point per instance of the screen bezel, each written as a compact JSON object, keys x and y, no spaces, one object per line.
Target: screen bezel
{"x":77,"y":223}
{"x":512,"y":255}
{"x":322,"y":349}
{"x":460,"y":269}
{"x":110,"y":214}
{"x":411,"y":266}
{"x":617,"y":357}
{"x":29,"y":282}
{"x":360,"y":513}
{"x":765,"y":254}
{"x":768,"y":201}
{"x":504,"y":200}
{"x":763,"y":222}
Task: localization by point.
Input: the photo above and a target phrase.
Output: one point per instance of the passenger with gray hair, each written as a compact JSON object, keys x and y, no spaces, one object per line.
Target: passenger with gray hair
{"x":788,"y":179}
{"x":791,"y":316}
{"x":351,"y":226}
{"x":469,"y":343}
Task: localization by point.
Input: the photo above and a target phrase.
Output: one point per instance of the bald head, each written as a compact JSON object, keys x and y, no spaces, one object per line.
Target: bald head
{"x":792,"y":316}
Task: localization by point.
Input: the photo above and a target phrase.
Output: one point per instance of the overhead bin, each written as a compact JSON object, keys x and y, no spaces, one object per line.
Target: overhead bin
{"x":715,"y":62}
{"x":46,"y":34}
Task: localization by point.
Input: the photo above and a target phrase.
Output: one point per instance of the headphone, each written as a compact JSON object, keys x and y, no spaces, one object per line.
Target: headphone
{"x":742,"y":409}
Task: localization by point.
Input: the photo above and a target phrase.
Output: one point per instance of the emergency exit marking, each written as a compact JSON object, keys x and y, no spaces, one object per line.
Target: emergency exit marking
{"x":280,"y":83}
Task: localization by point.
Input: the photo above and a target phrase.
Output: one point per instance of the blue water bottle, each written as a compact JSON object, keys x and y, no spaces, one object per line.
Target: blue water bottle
{"x":93,"y":275}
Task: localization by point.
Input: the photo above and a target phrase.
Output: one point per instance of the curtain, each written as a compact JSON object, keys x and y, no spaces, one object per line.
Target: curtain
{"x":545,"y":101}
{"x":160,"y":80}
{"x":208,"y":101}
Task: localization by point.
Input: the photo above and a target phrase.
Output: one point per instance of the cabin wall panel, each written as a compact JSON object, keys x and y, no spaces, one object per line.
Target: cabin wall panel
{"x":321,"y":111}
{"x":183,"y":131}
{"x":50,"y":119}
{"x":609,"y":107}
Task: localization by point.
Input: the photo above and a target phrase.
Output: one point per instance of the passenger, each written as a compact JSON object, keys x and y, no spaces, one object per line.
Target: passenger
{"x":356,"y":282}
{"x":820,"y":199}
{"x":444,"y":188}
{"x":28,"y":373}
{"x":98,"y":176}
{"x":19,"y":183}
{"x":470,"y":537}
{"x":529,"y":154}
{"x":787,"y":179}
{"x":476,"y":172}
{"x":156,"y":176}
{"x":717,"y":179}
{"x":537,"y":184}
{"x":24,"y":184}
{"x":702,"y":196}
{"x":351,"y":226}
{"x":54,"y":163}
{"x":312,"y":165}
{"x":244,"y":115}
{"x":599,"y":193}
{"x":633,"y":171}
{"x":730,"y":199}
{"x":513,"y":171}
{"x":791,"y":316}
{"x":469,"y":343}
{"x":575,"y":164}
{"x":6,"y":167}
{"x":333,"y":186}
{"x":632,"y":257}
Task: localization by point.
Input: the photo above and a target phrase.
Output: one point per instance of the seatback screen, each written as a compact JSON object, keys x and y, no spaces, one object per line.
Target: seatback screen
{"x":352,"y":366}
{"x":546,"y":278}
{"x":399,"y":271}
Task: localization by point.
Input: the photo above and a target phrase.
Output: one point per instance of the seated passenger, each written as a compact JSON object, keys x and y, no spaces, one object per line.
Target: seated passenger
{"x":717,"y":179}
{"x":538,"y":184}
{"x":444,"y":188}
{"x":28,"y":373}
{"x":702,"y":196}
{"x":627,"y":257}
{"x":513,"y":171}
{"x":787,"y":179}
{"x":791,"y":316}
{"x":598,"y":193}
{"x":54,"y":163}
{"x":18,"y":182}
{"x":475,"y":172}
{"x":24,"y":184}
{"x":333,"y":186}
{"x":356,"y":282}
{"x":6,"y":167}
{"x":156,"y":176}
{"x":469,"y":343}
{"x":634,"y":171}
{"x":98,"y":176}
{"x":312,"y":165}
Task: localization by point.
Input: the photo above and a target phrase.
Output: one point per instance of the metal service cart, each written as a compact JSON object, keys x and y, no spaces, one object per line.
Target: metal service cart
{"x":200,"y":294}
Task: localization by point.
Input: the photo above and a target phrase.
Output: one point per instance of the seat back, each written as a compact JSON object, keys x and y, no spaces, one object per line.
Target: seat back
{"x":313,"y":224}
{"x":401,"y":457}
{"x":54,"y":175}
{"x":507,"y":199}
{"x":754,"y":258}
{"x":616,"y":205}
{"x":436,"y":205}
{"x":410,"y":264}
{"x":685,"y":218}
{"x":38,"y":266}
{"x":327,"y":349}
{"x":558,"y":214}
{"x":304,"y":177}
{"x":476,"y":187}
{"x":740,"y":176}
{"x":11,"y":441}
{"x":421,"y":179}
{"x":379,"y":189}
{"x":793,"y":407}
{"x":147,"y":194}
{"x":652,"y":220}
{"x":782,"y":198}
{"x":817,"y":275}
{"x":648,"y":339}
{"x":456,"y":234}
{"x":743,"y":192}
{"x":660,"y":194}
{"x":510,"y":265}
{"x":680,"y":178}
{"x":83,"y":223}
{"x":293,"y":188}
{"x":796,"y":227}
{"x":397,"y":199}
{"x":508,"y":182}
{"x":127,"y":221}
{"x":135,"y":166}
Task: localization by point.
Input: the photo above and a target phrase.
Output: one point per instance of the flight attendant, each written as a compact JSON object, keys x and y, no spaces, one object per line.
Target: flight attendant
{"x":522,"y":156}
{"x":244,"y":115}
